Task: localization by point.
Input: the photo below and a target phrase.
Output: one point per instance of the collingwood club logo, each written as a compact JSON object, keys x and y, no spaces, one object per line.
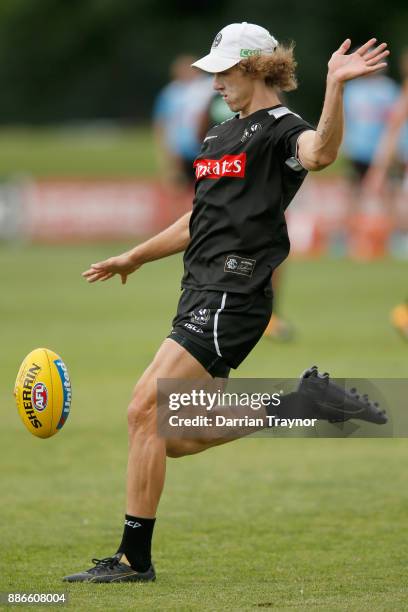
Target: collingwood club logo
{"x":239,"y":265}
{"x":250,"y":131}
{"x":200,"y":316}
{"x":217,"y":40}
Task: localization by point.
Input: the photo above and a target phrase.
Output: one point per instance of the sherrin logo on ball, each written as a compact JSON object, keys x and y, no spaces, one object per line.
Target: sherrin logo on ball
{"x":43,"y":392}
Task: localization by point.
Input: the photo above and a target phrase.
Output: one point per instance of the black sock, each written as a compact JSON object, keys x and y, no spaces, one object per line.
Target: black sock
{"x":137,"y":542}
{"x":293,"y":406}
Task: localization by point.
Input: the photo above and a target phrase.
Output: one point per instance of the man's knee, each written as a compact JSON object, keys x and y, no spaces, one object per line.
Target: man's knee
{"x":142,"y":406}
{"x":176,"y":448}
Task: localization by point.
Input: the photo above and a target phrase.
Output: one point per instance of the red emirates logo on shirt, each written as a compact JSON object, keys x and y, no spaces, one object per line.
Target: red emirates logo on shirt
{"x":229,"y":165}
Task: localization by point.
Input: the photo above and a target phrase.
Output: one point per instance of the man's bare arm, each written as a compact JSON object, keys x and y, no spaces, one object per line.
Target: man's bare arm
{"x":173,"y":239}
{"x":318,"y":149}
{"x":375,"y":179}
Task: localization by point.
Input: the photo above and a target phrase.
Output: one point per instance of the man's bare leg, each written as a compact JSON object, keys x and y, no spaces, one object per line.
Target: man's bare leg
{"x":147,"y":459}
{"x":147,"y":451}
{"x":146,"y":471}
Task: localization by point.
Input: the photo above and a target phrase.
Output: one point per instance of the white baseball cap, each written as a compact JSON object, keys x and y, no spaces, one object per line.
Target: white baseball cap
{"x":234,"y":43}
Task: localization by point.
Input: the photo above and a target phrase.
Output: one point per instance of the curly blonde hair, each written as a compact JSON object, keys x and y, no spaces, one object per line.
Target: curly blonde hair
{"x":277,"y":69}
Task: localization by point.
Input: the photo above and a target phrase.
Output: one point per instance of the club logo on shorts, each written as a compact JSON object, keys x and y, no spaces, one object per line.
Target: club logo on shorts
{"x":239,"y":265}
{"x":250,"y":131}
{"x":232,"y":166}
{"x":200,"y":316}
{"x":217,"y":40}
{"x":39,"y":397}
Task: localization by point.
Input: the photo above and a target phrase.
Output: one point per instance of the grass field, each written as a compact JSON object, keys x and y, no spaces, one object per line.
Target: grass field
{"x":78,"y":151}
{"x":86,"y":150}
{"x":298,"y":524}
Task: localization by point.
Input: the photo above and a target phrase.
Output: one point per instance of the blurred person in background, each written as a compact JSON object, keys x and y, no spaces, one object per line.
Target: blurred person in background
{"x":394,"y":140}
{"x":394,"y":143}
{"x":217,"y":111}
{"x":367,"y":106}
{"x":368,"y":102}
{"x":176,"y":115}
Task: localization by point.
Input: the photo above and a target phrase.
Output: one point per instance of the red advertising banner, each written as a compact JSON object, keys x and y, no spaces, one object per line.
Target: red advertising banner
{"x":55,"y":210}
{"x":325,"y":216}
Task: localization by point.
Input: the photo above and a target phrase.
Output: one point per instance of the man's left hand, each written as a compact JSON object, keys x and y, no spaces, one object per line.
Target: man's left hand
{"x":367,"y":59}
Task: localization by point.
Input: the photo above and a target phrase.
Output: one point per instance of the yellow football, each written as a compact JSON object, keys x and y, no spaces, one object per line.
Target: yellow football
{"x":43,"y":392}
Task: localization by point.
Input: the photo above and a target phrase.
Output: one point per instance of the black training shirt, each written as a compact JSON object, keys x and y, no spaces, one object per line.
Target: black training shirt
{"x":246,"y":175}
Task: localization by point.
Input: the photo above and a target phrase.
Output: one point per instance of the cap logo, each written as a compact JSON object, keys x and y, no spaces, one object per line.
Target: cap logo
{"x":249,"y":52}
{"x":217,"y":40}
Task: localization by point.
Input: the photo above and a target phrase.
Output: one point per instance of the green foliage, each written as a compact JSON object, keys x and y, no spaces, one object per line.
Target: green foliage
{"x":282,"y":524}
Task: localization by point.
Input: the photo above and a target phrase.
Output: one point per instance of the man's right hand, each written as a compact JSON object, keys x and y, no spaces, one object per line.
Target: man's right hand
{"x":104,"y":270}
{"x":171,"y":240}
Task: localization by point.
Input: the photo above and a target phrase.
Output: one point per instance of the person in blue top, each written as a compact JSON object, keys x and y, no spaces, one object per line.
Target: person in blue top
{"x":368,"y":102}
{"x":176,"y":116}
{"x":393,"y":144}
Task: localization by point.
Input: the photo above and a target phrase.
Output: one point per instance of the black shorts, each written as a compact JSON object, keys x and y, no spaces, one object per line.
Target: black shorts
{"x":221,"y":328}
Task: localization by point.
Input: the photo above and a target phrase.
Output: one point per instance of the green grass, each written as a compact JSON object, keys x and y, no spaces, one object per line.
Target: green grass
{"x":76,"y":152}
{"x":287,"y":524}
{"x":85,"y":151}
